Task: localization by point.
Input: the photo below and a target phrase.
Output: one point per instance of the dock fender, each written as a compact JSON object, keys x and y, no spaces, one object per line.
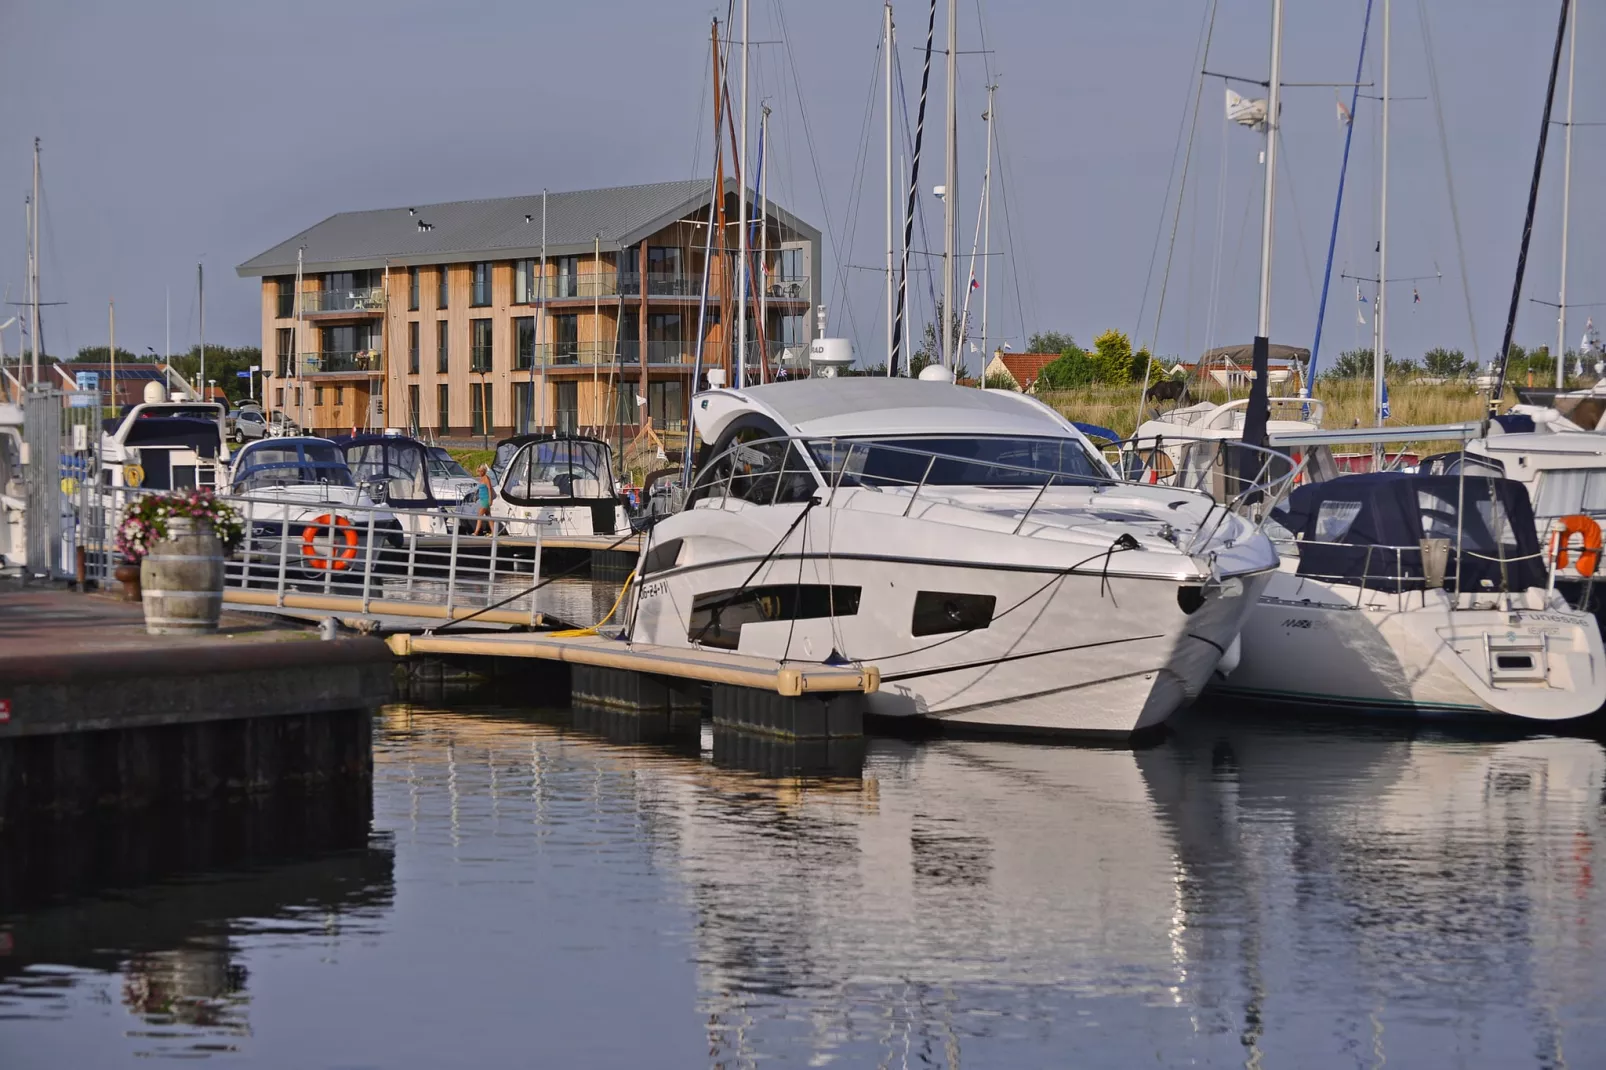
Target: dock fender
{"x":1229,"y":661}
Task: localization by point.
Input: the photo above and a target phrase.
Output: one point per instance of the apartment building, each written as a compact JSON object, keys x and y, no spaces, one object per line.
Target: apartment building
{"x":446,"y":319}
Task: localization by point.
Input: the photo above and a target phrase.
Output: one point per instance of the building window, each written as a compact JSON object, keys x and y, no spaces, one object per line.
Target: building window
{"x":480,"y":345}
{"x":568,"y":280}
{"x":412,"y":408}
{"x":287,"y":297}
{"x":479,"y":400}
{"x":412,"y":348}
{"x":317,"y":395}
{"x":412,"y":289}
{"x":629,"y":261}
{"x":566,"y":410}
{"x":666,"y":404}
{"x":298,"y":401}
{"x":793,"y":330}
{"x":664,"y":274}
{"x":285,"y":342}
{"x":663,"y":338}
{"x":524,"y":276}
{"x":441,"y":285}
{"x":442,"y":361}
{"x":482,"y":285}
{"x":340,"y":395}
{"x":443,"y":409}
{"x":524,"y":407}
{"x":566,"y":339}
{"x":523,"y":343}
{"x":278,"y":397}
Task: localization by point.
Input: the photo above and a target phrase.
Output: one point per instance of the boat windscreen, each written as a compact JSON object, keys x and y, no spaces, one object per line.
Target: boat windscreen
{"x":396,"y":467}
{"x":956,"y":461}
{"x":560,"y":468}
{"x":288,"y":464}
{"x":445,"y":466}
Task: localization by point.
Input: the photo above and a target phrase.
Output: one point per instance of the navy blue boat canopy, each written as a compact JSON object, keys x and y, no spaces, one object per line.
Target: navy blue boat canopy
{"x":1367,"y":530}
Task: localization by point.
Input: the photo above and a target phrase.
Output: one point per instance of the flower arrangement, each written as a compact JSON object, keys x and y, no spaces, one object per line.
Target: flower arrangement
{"x":145,"y":520}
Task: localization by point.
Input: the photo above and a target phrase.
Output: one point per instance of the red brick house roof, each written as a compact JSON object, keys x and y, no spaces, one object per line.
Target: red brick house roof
{"x":1026,"y":367}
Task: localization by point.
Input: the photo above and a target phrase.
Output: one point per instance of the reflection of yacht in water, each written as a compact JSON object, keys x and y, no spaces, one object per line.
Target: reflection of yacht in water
{"x":1383,"y":876}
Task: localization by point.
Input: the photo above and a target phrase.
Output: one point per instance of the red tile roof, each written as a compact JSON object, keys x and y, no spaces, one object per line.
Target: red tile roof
{"x":1026,"y":367}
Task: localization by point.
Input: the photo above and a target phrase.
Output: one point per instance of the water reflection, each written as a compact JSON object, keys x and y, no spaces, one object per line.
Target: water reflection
{"x":150,"y":912}
{"x":610,"y":890}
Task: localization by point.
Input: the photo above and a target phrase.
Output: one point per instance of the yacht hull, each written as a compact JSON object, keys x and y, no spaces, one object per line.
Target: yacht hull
{"x":1321,"y":644}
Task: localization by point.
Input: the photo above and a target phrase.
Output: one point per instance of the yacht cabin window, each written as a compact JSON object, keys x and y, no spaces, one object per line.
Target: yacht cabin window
{"x":1564,"y":491}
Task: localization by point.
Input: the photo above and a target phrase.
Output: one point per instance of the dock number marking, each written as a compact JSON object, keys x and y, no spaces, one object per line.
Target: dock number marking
{"x":1297,"y":622}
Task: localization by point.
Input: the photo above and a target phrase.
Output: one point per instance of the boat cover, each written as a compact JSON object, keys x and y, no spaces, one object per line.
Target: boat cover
{"x":1367,"y":530}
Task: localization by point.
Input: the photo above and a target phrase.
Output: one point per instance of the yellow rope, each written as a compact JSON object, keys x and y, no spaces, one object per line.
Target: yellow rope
{"x":574,"y":632}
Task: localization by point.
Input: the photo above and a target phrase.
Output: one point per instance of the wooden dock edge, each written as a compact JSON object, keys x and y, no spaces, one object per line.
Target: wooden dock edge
{"x":375,"y":607}
{"x":787,"y":680}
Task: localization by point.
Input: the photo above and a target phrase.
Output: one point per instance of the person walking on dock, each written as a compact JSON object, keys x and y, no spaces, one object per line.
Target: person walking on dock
{"x":485,"y":501}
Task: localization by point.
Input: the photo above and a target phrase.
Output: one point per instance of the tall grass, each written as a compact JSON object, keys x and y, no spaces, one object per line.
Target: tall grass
{"x":1348,"y":403}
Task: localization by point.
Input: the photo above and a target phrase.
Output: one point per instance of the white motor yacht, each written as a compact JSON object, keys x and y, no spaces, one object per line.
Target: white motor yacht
{"x":557,"y":484}
{"x":13,"y":489}
{"x":1417,"y":594}
{"x":165,"y":445}
{"x":397,"y":470}
{"x":969,"y":544}
{"x":300,"y":490}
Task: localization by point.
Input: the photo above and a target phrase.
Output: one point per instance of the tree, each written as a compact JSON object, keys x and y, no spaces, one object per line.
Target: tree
{"x":1050,"y":342}
{"x":1073,"y":369}
{"x":1445,"y":363}
{"x":97,"y":355}
{"x":223,"y":364}
{"x":1112,"y":357}
{"x":1357,"y":364}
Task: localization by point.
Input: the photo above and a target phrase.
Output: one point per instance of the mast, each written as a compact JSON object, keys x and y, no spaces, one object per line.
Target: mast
{"x":741,"y":224}
{"x":886,"y":57}
{"x":1566,"y":206}
{"x":763,"y":237}
{"x":715,"y":202}
{"x":902,"y":330}
{"x":1528,"y":219}
{"x":987,"y":229}
{"x":1255,"y":415}
{"x":1380,"y":313}
{"x":111,"y":348}
{"x":200,"y":290}
{"x":596,"y":328}
{"x":33,"y":285}
{"x":540,"y":316}
{"x":949,"y":189}
{"x":295,"y":354}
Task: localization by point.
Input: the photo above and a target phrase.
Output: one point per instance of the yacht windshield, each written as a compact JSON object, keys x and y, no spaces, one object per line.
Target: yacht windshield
{"x":561,"y":468}
{"x":283,"y":464}
{"x":956,"y":461}
{"x":445,"y":466}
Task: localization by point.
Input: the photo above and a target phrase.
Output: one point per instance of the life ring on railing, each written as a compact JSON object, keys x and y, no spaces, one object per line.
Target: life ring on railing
{"x":339,"y":556}
{"x":1561,"y":538}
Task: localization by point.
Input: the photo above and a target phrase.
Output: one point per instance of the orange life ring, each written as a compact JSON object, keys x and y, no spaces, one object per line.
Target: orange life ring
{"x":1562,"y":537}
{"x":339,"y":557}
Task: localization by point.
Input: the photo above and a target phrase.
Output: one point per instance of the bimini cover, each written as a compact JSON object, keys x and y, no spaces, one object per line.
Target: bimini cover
{"x":1367,"y":530}
{"x":395,"y":463}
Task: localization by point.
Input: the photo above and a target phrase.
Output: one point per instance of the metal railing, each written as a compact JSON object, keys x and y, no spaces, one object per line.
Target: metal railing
{"x":358,"y":299}
{"x":330,"y":557}
{"x":787,"y":287}
{"x":782,"y":470}
{"x":569,"y":287}
{"x":361,"y":360}
{"x":657,"y":353}
{"x":560,"y":354}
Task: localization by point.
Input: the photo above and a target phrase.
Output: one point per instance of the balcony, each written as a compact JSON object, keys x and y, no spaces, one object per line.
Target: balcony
{"x":570,"y":288}
{"x":362,"y":301}
{"x":787,"y":287}
{"x":361,"y":362}
{"x":657,"y":353}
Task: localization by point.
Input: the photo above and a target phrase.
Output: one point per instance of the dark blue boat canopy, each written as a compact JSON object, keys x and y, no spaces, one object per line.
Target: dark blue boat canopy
{"x":1367,"y":530}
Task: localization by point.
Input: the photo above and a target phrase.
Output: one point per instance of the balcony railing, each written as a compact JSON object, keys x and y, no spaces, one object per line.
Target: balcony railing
{"x":562,"y":354}
{"x":787,"y":287}
{"x":569,"y":287}
{"x":362,"y":360}
{"x":361,"y":299}
{"x":657,"y":353}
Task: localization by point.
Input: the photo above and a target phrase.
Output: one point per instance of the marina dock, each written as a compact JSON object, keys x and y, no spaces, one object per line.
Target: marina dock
{"x":96,"y":713}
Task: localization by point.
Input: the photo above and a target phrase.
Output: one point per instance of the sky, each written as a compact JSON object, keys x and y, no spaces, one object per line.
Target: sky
{"x":185,"y":132}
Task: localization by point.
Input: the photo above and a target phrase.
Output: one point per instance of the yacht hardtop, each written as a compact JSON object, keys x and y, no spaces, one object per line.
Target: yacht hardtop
{"x":173,"y":445}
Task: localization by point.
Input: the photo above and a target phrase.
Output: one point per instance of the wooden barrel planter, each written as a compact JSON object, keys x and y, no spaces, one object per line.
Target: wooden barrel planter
{"x":181,"y":579}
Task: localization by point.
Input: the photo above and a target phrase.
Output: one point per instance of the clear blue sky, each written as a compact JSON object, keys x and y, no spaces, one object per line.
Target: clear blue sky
{"x":178,"y":131}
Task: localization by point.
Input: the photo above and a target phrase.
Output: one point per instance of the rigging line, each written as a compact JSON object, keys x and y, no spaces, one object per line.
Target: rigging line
{"x":1528,"y":218}
{"x":919,"y":213}
{"x":1338,"y":202}
{"x":702,"y":106}
{"x":1449,"y":180}
{"x":1009,"y":231}
{"x":814,"y":155}
{"x":1176,"y":218}
{"x":1206,"y":27}
{"x":856,"y":184}
{"x":898,"y":341}
{"x":1299,"y":227}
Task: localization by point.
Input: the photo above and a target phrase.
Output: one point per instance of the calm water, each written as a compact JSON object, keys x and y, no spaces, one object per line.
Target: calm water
{"x":523,"y":892}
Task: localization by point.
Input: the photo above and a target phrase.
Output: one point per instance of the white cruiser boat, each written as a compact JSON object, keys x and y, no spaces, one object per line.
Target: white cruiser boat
{"x":165,"y":445}
{"x":399,"y":472}
{"x":969,"y":544}
{"x":1418,"y":594}
{"x":300,"y":490}
{"x":557,"y":484}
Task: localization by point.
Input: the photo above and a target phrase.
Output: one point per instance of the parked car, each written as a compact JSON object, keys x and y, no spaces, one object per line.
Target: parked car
{"x":281,"y":426}
{"x":246,"y":424}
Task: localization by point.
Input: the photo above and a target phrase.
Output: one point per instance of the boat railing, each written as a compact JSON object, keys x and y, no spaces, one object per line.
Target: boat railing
{"x":369,"y":560}
{"x":1402,"y":571}
{"x":783,"y":470}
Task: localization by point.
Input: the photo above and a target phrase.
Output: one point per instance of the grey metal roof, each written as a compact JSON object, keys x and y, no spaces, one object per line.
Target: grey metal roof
{"x":497,"y":229}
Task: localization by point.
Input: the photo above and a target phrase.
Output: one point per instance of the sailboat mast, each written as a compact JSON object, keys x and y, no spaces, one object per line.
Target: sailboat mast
{"x":200,"y":290}
{"x":763,"y":239}
{"x":540,"y":318}
{"x":741,"y":223}
{"x":1566,"y":206}
{"x":1380,"y":313}
{"x":33,"y":277}
{"x":111,"y":347}
{"x":950,"y":179}
{"x":987,"y":229}
{"x":886,"y":57}
{"x":1273,"y":102}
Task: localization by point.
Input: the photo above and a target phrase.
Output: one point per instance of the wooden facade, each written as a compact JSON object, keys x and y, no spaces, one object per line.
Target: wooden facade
{"x":602,"y":338}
